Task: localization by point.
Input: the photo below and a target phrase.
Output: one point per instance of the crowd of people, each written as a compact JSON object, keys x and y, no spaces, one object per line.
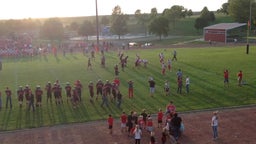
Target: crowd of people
{"x":137,"y":124}
{"x":104,"y":90}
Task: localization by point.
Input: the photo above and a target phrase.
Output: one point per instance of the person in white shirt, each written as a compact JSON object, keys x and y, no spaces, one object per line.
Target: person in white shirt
{"x":214,"y":125}
{"x":187,"y":84}
{"x":137,"y":134}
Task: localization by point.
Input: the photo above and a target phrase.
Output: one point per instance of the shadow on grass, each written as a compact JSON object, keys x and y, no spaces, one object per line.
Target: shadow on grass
{"x":6,"y":118}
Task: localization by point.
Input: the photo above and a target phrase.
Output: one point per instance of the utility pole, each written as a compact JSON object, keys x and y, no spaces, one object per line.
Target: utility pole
{"x":97,"y":25}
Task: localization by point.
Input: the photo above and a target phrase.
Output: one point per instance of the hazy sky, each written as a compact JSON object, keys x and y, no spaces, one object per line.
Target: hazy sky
{"x":13,"y":9}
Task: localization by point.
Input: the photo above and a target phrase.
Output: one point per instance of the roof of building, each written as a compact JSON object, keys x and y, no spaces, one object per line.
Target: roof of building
{"x":225,"y":26}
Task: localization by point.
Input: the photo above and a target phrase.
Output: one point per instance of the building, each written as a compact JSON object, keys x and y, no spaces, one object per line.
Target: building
{"x":225,"y":32}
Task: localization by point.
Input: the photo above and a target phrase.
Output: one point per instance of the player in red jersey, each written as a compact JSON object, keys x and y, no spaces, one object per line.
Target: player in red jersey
{"x":68,"y":89}
{"x":20,"y":94}
{"x":48,"y":89}
{"x":110,"y":123}
{"x":160,"y":116}
{"x":99,"y":88}
{"x":38,"y":93}
{"x":123,"y":120}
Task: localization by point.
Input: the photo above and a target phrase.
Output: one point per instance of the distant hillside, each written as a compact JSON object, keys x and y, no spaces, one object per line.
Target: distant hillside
{"x":182,"y":27}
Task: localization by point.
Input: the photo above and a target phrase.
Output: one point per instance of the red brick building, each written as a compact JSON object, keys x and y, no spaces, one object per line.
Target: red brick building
{"x":224,"y":32}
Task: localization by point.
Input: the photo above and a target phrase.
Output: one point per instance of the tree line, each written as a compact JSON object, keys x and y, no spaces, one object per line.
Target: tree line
{"x":153,"y":22}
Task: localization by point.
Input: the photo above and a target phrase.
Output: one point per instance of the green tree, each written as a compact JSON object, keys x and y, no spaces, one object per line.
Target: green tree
{"x":143,"y":20}
{"x":206,"y":14}
{"x":200,"y":23}
{"x":153,"y":14}
{"x":240,"y":10}
{"x":118,"y":22}
{"x":52,"y":29}
{"x":174,"y":14}
{"x":189,"y":13}
{"x":159,"y":26}
{"x":224,"y":9}
{"x":86,"y":29}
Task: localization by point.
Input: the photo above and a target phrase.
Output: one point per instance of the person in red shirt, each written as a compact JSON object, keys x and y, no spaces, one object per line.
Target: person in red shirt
{"x":38,"y":93}
{"x":48,"y":89}
{"x":110,"y":123}
{"x":240,"y":77}
{"x":68,"y":89}
{"x":8,"y":93}
{"x":160,"y":118}
{"x":171,"y":108}
{"x":123,"y":120}
{"x":150,"y":125}
{"x":226,"y":78}
{"x":20,"y":94}
{"x":130,"y":89}
{"x":116,"y":81}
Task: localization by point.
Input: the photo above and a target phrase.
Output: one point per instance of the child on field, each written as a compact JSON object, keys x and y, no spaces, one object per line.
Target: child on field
{"x":110,"y":123}
{"x":160,"y":118}
{"x":150,"y":125}
{"x":123,"y":120}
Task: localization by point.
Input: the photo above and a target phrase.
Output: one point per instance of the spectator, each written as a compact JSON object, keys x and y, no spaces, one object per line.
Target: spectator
{"x":137,"y":134}
{"x":175,"y":126}
{"x":151,"y":86}
{"x":187,"y":84}
{"x":110,"y":124}
{"x":214,"y":124}
{"x":8,"y":97}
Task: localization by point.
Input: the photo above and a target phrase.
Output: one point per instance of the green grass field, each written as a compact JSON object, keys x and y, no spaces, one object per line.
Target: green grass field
{"x":204,"y":66}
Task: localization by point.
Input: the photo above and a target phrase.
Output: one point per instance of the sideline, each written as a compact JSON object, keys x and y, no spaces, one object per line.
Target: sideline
{"x":154,"y":115}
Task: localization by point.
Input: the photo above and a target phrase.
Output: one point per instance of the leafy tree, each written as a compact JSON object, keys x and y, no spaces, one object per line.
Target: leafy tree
{"x":52,"y":29}
{"x":118,"y":22}
{"x":224,"y":9}
{"x":174,"y":14}
{"x":200,"y":23}
{"x":240,"y":10}
{"x":206,"y":14}
{"x":211,"y":17}
{"x":159,"y":26}
{"x":153,"y":14}
{"x":86,"y":29}
{"x":189,"y":13}
{"x":143,"y":19}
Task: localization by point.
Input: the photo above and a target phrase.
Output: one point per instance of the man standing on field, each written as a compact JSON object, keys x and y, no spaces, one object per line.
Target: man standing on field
{"x":20,"y":94}
{"x":48,"y":89}
{"x":226,"y":78}
{"x":8,"y":93}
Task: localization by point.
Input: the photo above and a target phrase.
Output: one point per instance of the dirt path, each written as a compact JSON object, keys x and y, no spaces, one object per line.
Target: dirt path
{"x":236,"y":126}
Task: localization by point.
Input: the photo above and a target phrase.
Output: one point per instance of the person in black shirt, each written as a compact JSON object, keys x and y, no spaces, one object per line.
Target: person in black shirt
{"x":175,"y":126}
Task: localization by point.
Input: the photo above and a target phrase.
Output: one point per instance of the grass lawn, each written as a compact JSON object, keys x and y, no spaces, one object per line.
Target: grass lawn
{"x":204,"y":66}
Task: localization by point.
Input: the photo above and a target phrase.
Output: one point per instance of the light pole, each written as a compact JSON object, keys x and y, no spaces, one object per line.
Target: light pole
{"x":97,"y":24}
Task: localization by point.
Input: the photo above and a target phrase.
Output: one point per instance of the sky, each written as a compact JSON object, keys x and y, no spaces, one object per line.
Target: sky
{"x":20,"y":9}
